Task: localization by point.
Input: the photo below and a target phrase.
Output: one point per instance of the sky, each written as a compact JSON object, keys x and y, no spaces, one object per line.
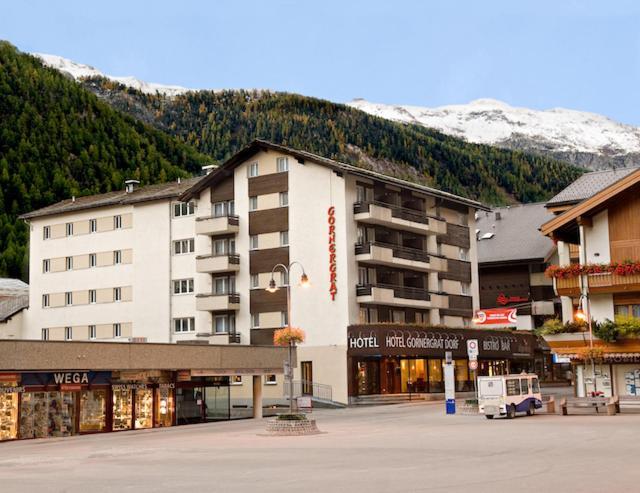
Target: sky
{"x":582,"y":55}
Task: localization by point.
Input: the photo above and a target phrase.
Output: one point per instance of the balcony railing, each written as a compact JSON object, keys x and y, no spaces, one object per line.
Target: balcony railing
{"x":396,"y":211}
{"x":405,"y":292}
{"x":399,"y":251}
{"x":212,"y":225}
{"x":304,"y":387}
{"x":234,"y":338}
{"x":598,"y":283}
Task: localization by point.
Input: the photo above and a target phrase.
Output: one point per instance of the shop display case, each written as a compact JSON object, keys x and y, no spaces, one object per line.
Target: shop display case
{"x":8,"y":415}
{"x":144,"y":408}
{"x":93,"y":411}
{"x":122,"y":409}
{"x":164,"y":407}
{"x":47,"y":414}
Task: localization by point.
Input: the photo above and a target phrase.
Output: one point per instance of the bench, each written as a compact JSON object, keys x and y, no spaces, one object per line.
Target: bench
{"x":608,"y":404}
{"x":631,"y":402}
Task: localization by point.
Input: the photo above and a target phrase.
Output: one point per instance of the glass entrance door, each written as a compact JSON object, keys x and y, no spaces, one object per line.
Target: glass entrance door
{"x":217,"y":403}
{"x":190,"y":405}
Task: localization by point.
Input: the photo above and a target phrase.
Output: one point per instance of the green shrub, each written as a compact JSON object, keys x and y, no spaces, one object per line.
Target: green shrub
{"x":552,"y":326}
{"x":608,"y":331}
{"x":627,"y":326}
{"x":292,"y":417}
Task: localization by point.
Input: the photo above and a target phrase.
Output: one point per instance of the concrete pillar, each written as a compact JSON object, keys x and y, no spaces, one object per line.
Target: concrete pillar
{"x":257,"y":396}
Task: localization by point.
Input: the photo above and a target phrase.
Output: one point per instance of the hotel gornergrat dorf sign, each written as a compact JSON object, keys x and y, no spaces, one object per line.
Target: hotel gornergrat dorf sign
{"x":331,"y":220}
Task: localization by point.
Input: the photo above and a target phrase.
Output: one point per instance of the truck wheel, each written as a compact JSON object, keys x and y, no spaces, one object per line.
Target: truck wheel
{"x":532,"y":409}
{"x":511,"y":412}
{"x":489,"y":416}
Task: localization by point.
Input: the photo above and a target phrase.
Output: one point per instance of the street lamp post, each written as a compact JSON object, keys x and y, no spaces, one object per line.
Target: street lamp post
{"x":584,"y":314}
{"x":304,"y":282}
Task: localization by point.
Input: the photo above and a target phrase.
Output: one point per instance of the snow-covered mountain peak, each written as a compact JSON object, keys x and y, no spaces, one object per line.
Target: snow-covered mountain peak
{"x":79,"y":71}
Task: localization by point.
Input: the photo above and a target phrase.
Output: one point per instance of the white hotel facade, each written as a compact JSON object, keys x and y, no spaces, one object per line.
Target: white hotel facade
{"x":191,"y":261}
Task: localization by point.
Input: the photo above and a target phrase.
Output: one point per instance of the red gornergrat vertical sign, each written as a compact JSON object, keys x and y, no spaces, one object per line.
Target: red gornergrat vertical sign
{"x":331,"y":219}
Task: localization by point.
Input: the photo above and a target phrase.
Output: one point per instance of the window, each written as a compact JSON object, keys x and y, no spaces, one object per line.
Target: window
{"x":92,"y":296}
{"x":68,"y":298}
{"x":224,"y":285}
{"x":535,"y":385}
{"x":45,"y":334}
{"x":224,"y":247}
{"x":463,"y":219}
{"x":465,"y":288}
{"x":184,"y":209}
{"x":46,"y":232}
{"x":92,"y":331}
{"x":45,"y":300}
{"x":524,"y":386}
{"x":69,"y":229}
{"x":464,"y":254}
{"x":284,"y":199}
{"x":422,"y":317}
{"x":283,"y":319}
{"x":187,"y":324}
{"x":282,"y":164}
{"x":255,"y":320}
{"x":93,"y":225}
{"x":253,"y":170}
{"x":440,"y":286}
{"x":398,"y":316}
{"x":253,"y":242}
{"x":117,"y":330}
{"x":117,"y":257}
{"x":284,"y":238}
{"x":361,"y":195}
{"x":46,"y":265}
{"x":117,"y":294}
{"x":93,"y":260}
{"x":630,"y":310}
{"x":223,"y":324}
{"x":69,"y":263}
{"x":117,"y":222}
{"x":513,"y":386}
{"x":68,"y":333}
{"x":284,"y":278}
{"x":254,"y":281}
{"x":236,"y":380}
{"x":270,"y":380}
{"x":253,"y":203}
{"x":219,"y":209}
{"x":183,"y":286}
{"x":181,"y":247}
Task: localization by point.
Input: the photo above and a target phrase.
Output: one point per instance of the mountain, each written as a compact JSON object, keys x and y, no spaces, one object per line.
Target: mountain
{"x":57,"y":139}
{"x":79,"y":71}
{"x":585,"y":139}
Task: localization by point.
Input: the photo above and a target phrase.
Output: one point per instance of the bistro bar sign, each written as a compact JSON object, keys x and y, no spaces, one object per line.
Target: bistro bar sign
{"x":380,"y":340}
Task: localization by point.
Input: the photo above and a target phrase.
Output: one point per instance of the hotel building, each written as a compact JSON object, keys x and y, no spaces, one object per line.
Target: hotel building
{"x":193,"y":261}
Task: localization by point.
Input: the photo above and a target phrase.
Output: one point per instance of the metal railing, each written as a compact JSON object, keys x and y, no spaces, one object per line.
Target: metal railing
{"x":234,"y":338}
{"x":313,"y":389}
{"x":399,"y":251}
{"x":405,"y":292}
{"x":396,"y":211}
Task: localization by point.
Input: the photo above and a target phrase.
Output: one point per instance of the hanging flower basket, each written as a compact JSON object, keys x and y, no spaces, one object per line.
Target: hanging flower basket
{"x":626,"y":268}
{"x":288,"y":336}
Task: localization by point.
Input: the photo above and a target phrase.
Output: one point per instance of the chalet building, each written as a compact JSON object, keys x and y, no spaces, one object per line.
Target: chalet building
{"x":597,"y":230}
{"x":14,"y":301}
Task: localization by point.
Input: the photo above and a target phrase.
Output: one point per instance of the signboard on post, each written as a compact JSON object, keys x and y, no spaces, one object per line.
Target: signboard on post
{"x":304,"y":403}
{"x":472,"y":349}
{"x":450,"y":388}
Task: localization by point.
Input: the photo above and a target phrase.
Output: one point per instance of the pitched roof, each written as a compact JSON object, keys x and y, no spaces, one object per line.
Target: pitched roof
{"x":119,"y":197}
{"x":588,"y":185}
{"x":245,"y":153}
{"x":515,"y":236}
{"x":12,"y":287}
{"x":10,"y":306}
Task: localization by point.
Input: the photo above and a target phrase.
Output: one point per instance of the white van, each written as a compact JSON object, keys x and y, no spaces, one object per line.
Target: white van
{"x":506,"y":395}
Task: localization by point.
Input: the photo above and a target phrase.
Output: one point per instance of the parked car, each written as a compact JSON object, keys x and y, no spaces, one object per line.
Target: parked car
{"x":507,"y":395}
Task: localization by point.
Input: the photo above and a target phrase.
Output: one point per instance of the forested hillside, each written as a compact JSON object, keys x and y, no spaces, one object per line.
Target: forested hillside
{"x":58,"y":139}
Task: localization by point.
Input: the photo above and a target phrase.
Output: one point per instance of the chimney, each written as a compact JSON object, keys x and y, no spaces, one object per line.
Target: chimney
{"x":498,"y":216}
{"x":208,"y":169}
{"x":131,"y":185}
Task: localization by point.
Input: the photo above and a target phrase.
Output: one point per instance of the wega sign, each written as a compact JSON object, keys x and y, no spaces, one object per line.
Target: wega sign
{"x":495,"y":316}
{"x":331,"y":219}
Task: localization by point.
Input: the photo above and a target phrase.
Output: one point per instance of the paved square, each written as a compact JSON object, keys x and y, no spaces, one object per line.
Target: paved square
{"x":410,"y":447}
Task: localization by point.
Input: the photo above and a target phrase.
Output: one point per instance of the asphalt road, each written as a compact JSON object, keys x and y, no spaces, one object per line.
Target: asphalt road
{"x":401,"y":448}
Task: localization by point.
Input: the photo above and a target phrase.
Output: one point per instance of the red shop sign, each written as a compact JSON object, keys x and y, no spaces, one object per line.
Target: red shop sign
{"x":333,"y":286}
{"x":503,"y":299}
{"x":494,"y":316}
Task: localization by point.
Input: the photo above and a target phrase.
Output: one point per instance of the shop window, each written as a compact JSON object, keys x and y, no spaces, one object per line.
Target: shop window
{"x":8,"y":411}
{"x":436,"y":383}
{"x":93,"y":225}
{"x":117,"y":222}
{"x":46,"y":265}
{"x":46,"y":232}
{"x":144,"y":409}
{"x":270,"y":380}
{"x":164,"y":406}
{"x":236,"y":380}
{"x":93,"y":411}
{"x":47,"y":414}
{"x":122,"y":409}
{"x":282,"y":164}
{"x":284,"y":199}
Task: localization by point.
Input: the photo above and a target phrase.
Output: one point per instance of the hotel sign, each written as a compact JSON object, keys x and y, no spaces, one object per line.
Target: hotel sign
{"x":333,"y":282}
{"x":381,"y":340}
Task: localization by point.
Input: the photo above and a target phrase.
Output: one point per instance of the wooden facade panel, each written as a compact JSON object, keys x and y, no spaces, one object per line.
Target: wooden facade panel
{"x":269,"y":221}
{"x":262,"y":337}
{"x":457,"y":270}
{"x":265,"y":260}
{"x":624,"y":228}
{"x":222,"y":191}
{"x":508,"y":281}
{"x":456,"y":235}
{"x":262,"y":300}
{"x":271,"y":183}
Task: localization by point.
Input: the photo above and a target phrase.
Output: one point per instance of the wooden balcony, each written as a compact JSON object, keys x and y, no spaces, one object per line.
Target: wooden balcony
{"x":599,"y":283}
